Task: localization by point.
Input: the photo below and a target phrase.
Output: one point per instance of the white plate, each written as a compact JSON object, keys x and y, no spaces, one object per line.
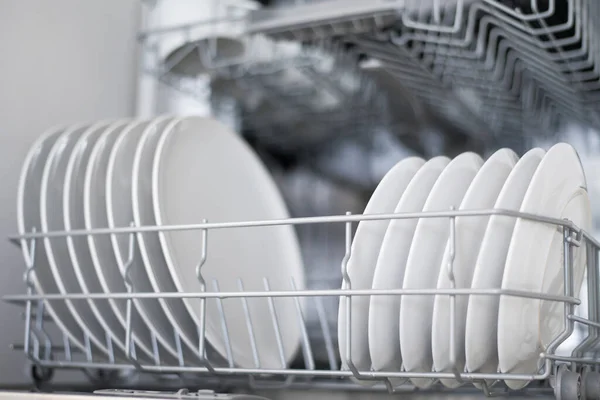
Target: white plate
{"x":79,"y":252}
{"x":481,"y":334}
{"x":28,"y":218}
{"x":363,"y":259}
{"x":149,"y":243}
{"x":535,"y":262}
{"x":51,"y":215}
{"x":482,"y":194}
{"x":101,"y":252}
{"x":424,"y":260}
{"x":120,"y":214}
{"x":384,"y":343}
{"x":203,"y":170}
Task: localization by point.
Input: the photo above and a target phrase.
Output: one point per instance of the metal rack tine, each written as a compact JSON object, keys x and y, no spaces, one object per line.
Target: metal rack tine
{"x":329,"y":347}
{"x":249,"y":325}
{"x":67,"y":347}
{"x":275,"y":322}
{"x":202,"y":300}
{"x":453,"y":314}
{"x":224,"y":329}
{"x":87,"y":347}
{"x":309,"y":360}
{"x":109,"y":347}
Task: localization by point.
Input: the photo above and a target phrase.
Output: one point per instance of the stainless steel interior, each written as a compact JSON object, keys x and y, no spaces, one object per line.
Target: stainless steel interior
{"x":346,"y":88}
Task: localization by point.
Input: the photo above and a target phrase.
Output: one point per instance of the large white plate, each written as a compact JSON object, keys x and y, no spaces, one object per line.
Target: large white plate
{"x":424,"y":260}
{"x":28,"y":218}
{"x":481,"y":351}
{"x":535,"y":262}
{"x":482,"y":194}
{"x":120,"y":214}
{"x":384,"y":343}
{"x":203,"y":170}
{"x":363,"y":259}
{"x":149,"y":243}
{"x":51,"y":215}
{"x":73,"y":218}
{"x":106,"y":267}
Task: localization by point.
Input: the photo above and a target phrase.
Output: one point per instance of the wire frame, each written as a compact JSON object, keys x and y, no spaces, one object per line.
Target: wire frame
{"x":40,"y":350}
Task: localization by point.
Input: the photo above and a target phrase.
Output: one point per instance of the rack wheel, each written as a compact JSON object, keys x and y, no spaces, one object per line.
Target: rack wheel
{"x":41,"y":375}
{"x":568,"y":384}
{"x":590,"y":381}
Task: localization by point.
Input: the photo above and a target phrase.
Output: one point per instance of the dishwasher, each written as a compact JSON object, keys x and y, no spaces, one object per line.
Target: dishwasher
{"x":331,"y":94}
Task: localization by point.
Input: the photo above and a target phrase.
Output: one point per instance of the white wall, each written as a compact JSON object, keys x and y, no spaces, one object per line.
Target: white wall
{"x":60,"y":61}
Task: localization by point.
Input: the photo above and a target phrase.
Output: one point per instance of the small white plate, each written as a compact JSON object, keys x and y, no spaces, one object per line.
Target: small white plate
{"x":423,"y":265}
{"x":28,"y":218}
{"x":101,"y":252}
{"x":482,"y":194}
{"x":481,"y":335}
{"x":51,"y":214}
{"x":203,"y":170}
{"x":81,"y":260}
{"x":363,"y":259}
{"x":120,"y":214}
{"x":384,"y":343}
{"x":535,"y":262}
{"x":149,"y":243}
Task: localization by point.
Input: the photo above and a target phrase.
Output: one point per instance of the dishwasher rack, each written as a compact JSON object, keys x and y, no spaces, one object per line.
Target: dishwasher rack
{"x":575,"y":376}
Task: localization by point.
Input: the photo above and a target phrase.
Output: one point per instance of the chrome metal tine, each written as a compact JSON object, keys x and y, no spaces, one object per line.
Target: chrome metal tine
{"x":35,"y":355}
{"x":309,"y":360}
{"x":347,"y":284}
{"x":453,"y":316}
{"x":224,"y":329}
{"x":87,"y":347}
{"x":178,"y":347}
{"x":126,"y":271}
{"x":67,"y":346}
{"x":568,"y":291}
{"x":39,"y":326}
{"x":331,"y":358}
{"x":155,"y":348}
{"x":109,"y":347}
{"x":28,"y":334}
{"x":592,"y":334}
{"x":248,"y":319}
{"x":29,"y":268}
{"x":202,"y":300}
{"x":275,"y":322}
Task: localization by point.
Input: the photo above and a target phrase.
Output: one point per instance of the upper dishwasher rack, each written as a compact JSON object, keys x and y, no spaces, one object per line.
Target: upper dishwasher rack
{"x":564,"y":372}
{"x":496,"y":68}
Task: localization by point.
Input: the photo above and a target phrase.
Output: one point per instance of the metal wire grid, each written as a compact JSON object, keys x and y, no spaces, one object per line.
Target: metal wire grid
{"x":495,"y":68}
{"x":519,"y":65}
{"x":40,"y":350}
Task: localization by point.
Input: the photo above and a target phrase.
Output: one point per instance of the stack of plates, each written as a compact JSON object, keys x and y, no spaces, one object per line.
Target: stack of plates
{"x":505,"y":334}
{"x":164,"y":171}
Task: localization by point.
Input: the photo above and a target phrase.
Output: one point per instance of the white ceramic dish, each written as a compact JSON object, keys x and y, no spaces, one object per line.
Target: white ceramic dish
{"x":101,"y":252}
{"x":73,"y":218}
{"x":424,"y":260}
{"x":535,"y":262}
{"x":51,"y":216}
{"x":217,"y":19}
{"x":120,"y":214}
{"x":482,"y":194}
{"x":149,"y":243}
{"x":481,"y":334}
{"x":203,"y":170}
{"x":28,"y":218}
{"x":384,"y":343}
{"x":363,"y":259}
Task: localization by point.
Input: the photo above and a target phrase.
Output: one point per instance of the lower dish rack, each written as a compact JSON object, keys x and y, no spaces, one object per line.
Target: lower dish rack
{"x":572,"y":377}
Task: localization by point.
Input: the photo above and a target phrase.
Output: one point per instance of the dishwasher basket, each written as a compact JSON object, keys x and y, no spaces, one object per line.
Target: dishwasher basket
{"x":571,"y":376}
